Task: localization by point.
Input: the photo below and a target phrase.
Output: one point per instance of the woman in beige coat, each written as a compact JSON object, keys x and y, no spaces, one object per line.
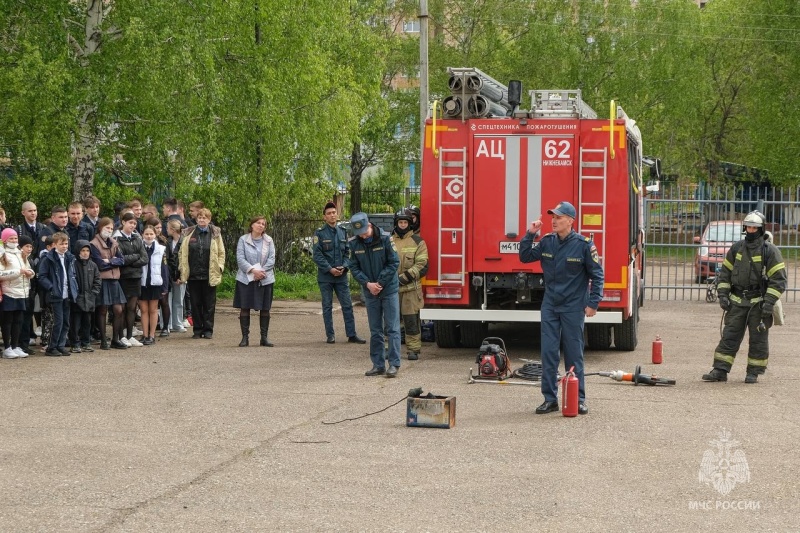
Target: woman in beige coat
{"x":202,"y":261}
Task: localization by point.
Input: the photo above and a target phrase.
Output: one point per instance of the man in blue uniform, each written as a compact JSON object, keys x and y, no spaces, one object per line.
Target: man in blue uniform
{"x":569,"y":262}
{"x":374,"y":263}
{"x":330,"y":253}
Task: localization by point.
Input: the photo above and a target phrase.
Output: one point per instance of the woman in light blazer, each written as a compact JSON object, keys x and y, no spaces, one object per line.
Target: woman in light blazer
{"x":255,"y":255}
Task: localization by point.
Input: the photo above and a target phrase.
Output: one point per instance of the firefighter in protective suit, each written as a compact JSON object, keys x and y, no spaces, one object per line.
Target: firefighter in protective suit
{"x":751,"y":280}
{"x":413,"y":254}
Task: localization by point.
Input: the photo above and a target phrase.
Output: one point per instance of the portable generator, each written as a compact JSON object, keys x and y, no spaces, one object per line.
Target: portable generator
{"x":492,"y":359}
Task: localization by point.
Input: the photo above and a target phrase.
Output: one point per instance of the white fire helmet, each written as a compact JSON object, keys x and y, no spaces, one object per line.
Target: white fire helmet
{"x":754,"y":219}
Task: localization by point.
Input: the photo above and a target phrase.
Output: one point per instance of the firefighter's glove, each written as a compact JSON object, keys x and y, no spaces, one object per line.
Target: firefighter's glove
{"x":766,"y":311}
{"x":405,"y":278}
{"x":724,"y":303}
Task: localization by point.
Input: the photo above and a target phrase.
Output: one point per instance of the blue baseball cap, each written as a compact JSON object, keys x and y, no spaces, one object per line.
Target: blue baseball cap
{"x":359,"y":223}
{"x":563,"y":209}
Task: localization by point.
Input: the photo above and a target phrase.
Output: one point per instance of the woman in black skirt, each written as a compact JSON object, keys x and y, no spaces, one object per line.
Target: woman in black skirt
{"x":108,"y":258}
{"x":154,"y":284}
{"x":255,"y":255}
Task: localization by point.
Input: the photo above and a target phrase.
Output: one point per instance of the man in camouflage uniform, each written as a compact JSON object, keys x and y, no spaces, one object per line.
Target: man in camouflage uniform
{"x":751,"y":280}
{"x":413,"y":254}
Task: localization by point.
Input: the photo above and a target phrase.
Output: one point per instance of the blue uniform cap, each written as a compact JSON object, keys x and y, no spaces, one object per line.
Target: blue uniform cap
{"x":563,"y":209}
{"x":359,"y":223}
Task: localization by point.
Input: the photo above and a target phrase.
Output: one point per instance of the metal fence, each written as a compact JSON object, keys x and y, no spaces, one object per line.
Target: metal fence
{"x":676,"y":218}
{"x":293,"y":232}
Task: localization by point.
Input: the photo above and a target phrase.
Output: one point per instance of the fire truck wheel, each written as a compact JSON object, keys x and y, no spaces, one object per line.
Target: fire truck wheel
{"x":598,"y":336}
{"x":447,"y":334}
{"x":473,"y":333}
{"x":625,"y":334}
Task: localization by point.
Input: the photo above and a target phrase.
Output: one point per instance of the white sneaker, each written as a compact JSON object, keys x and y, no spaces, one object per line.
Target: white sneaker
{"x":133,"y":342}
{"x":124,"y":341}
{"x":9,"y":353}
{"x":137,"y":331}
{"x":20,"y":352}
{"x":186,"y":323}
{"x":179,"y":329}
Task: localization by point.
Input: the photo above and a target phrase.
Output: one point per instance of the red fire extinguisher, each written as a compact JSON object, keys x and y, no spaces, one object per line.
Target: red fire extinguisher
{"x":569,"y":394}
{"x":658,"y":351}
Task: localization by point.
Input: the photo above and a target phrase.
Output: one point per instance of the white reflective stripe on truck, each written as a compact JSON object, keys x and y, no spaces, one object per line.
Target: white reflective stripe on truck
{"x":500,"y":315}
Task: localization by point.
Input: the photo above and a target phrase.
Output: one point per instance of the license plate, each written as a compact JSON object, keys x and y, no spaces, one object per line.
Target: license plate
{"x":509,"y":247}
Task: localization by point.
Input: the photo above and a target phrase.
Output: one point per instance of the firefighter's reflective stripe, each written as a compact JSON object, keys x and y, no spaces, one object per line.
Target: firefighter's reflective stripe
{"x":776,"y":293}
{"x":774,"y":269}
{"x":724,"y":358}
{"x":739,"y":299}
{"x":723,"y":285}
{"x":754,"y":362}
{"x":727,"y":264}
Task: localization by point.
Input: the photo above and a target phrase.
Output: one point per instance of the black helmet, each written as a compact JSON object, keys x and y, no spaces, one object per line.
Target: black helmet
{"x":402,"y":214}
{"x":413,"y":210}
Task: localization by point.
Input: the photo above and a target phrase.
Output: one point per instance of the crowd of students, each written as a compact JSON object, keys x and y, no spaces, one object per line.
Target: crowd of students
{"x":64,"y":280}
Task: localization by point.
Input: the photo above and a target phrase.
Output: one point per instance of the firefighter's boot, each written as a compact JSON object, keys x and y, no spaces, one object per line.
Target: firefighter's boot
{"x":716,"y":375}
{"x":244,"y":323}
{"x":751,"y":378}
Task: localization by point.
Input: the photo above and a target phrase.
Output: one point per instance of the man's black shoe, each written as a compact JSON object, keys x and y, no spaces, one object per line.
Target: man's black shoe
{"x":331,"y":340}
{"x":413,"y":356}
{"x":356,"y":339}
{"x":547,"y":407}
{"x":374,"y":371}
{"x":583,"y":409}
{"x":207,"y":336}
{"x":64,"y":352}
{"x":197,"y":336}
{"x":117,"y":345}
{"x":751,"y":378}
{"x":716,"y":375}
{"x":392,"y":372}
{"x":52,"y":353}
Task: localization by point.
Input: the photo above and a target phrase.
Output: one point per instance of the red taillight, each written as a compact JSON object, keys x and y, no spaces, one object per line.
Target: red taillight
{"x":612,"y":296}
{"x":444,"y":293}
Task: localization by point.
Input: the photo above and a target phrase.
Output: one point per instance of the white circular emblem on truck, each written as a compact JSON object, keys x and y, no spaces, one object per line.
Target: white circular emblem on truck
{"x":455,"y":188}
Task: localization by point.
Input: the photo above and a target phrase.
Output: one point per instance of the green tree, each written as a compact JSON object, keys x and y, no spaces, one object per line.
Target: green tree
{"x":242,"y":104}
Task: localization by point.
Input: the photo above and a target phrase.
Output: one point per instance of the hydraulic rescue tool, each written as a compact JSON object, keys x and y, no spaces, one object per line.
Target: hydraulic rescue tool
{"x":477,"y":379}
{"x":636,"y":378}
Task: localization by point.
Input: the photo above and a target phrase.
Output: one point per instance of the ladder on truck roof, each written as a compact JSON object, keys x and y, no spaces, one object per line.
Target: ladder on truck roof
{"x":595,"y":160}
{"x":453,"y":186}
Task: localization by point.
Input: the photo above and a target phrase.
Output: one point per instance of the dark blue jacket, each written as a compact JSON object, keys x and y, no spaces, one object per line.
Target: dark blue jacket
{"x":81,"y":232}
{"x":375,"y":262}
{"x":51,"y":276}
{"x":568,"y":266}
{"x":330,"y":250}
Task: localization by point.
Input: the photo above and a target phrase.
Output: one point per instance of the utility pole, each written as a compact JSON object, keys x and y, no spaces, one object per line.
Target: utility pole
{"x":423,"y":76}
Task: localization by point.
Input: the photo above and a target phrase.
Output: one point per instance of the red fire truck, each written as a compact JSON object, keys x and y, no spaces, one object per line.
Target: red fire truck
{"x":489,"y":169}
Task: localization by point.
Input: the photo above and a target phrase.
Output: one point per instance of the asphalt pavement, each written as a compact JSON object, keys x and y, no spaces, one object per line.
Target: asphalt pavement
{"x":203,"y":436}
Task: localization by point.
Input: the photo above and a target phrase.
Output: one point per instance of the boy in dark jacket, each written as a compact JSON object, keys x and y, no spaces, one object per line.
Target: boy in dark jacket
{"x":46,"y":319}
{"x":88,"y":277}
{"x":57,"y":279}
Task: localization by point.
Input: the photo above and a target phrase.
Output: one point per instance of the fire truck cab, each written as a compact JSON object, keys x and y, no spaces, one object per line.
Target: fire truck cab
{"x":489,"y":169}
